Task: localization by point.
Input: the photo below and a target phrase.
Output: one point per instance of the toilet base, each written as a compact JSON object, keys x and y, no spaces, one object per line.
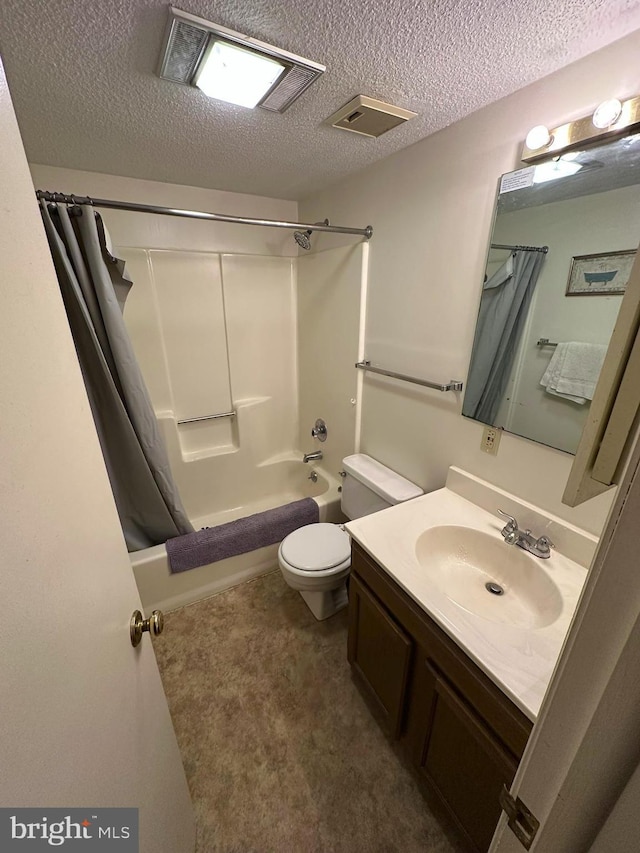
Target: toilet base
{"x":325,"y":603}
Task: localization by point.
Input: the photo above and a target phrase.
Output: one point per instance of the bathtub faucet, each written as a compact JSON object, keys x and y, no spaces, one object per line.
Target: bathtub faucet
{"x":309,"y":457}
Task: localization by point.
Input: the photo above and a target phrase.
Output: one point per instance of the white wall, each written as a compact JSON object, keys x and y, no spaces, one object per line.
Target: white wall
{"x":431,"y":208}
{"x":604,"y":222}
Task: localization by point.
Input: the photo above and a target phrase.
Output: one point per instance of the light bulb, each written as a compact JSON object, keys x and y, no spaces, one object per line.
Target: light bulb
{"x":607,"y":113}
{"x":538,"y":137}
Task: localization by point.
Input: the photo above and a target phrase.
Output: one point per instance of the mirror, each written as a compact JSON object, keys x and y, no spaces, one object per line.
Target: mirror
{"x":564,"y":239}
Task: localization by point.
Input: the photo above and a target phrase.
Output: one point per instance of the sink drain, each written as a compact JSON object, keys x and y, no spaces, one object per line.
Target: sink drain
{"x":494,"y":588}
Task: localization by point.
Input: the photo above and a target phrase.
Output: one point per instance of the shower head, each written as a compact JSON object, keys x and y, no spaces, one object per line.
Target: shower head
{"x":303,"y":238}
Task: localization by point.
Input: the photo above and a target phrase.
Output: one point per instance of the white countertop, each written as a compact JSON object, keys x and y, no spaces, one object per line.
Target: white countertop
{"x":520,"y":660}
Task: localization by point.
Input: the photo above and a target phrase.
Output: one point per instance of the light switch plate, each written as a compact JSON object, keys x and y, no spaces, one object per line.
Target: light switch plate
{"x":491,"y":440}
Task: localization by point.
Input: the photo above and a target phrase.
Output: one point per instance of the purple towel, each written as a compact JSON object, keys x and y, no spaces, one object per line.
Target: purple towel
{"x":237,"y":537}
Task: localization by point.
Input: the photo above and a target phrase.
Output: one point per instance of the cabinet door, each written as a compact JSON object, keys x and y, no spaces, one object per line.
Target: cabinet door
{"x":380,"y":652}
{"x":464,"y":762}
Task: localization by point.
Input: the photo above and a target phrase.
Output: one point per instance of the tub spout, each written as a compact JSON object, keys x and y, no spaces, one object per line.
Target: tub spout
{"x":310,"y":457}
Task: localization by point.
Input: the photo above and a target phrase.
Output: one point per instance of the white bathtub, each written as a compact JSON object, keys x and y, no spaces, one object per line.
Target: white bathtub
{"x":288,"y":480}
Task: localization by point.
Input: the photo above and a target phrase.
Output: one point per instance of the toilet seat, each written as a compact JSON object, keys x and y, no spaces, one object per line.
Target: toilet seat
{"x":316,"y":548}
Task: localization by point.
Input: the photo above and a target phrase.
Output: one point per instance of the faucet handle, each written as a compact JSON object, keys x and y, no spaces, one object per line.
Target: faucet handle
{"x":512,"y":522}
{"x":319,"y":430}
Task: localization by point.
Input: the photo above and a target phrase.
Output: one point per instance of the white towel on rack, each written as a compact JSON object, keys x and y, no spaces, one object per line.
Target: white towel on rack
{"x":574,"y":370}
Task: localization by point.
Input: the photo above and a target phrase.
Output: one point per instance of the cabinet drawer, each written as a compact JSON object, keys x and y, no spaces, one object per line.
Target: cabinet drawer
{"x":380,"y":653}
{"x":464,"y":762}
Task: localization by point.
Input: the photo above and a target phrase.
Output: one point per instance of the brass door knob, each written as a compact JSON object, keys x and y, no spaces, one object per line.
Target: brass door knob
{"x":154,"y":625}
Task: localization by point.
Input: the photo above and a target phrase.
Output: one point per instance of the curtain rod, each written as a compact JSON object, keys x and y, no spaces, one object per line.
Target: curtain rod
{"x":543,"y":249}
{"x":62,"y":198}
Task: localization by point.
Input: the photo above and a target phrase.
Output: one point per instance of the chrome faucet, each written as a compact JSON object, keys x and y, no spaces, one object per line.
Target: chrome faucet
{"x":512,"y":535}
{"x":309,"y":457}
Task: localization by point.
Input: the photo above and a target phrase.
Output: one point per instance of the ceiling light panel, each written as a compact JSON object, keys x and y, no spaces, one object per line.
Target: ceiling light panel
{"x":235,"y":75}
{"x":190,"y":42}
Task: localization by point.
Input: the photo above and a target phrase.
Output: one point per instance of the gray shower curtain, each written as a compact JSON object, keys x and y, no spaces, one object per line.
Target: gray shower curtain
{"x":504,"y":306}
{"x":94,"y":289}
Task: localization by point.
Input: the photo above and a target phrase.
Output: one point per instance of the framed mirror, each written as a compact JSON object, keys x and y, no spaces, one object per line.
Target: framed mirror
{"x":564,"y":239}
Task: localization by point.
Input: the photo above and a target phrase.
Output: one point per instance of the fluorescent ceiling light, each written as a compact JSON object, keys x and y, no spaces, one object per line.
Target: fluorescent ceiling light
{"x":200,"y":53}
{"x":235,"y":75}
{"x":554,"y":169}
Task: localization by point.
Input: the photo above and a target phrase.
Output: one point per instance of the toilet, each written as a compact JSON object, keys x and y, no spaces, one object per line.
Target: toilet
{"x":316,"y":559}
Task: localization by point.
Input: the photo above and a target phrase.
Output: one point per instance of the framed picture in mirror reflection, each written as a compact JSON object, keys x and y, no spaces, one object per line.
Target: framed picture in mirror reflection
{"x":603,"y":274}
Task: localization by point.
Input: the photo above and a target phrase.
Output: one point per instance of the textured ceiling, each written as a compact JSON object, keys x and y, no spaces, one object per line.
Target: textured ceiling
{"x":82,"y":75}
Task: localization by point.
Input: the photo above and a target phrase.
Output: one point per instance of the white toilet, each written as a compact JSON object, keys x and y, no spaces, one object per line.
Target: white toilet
{"x":316,"y":558}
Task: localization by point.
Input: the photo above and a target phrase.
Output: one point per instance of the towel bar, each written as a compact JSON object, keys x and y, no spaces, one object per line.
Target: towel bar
{"x":545,"y":342}
{"x":452,"y":385}
{"x":207,"y":418}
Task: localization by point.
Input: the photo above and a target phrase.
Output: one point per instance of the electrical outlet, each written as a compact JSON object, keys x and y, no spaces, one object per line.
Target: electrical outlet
{"x":491,"y":440}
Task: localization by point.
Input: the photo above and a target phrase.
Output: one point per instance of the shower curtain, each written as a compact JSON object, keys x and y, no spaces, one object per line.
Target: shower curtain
{"x":94,"y":287}
{"x":504,"y":306}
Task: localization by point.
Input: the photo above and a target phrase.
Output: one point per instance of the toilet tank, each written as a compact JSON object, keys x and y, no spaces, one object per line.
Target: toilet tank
{"x":370,"y":486}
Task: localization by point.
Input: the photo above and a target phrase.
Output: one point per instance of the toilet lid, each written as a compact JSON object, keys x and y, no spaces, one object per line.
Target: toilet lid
{"x":316,"y":546}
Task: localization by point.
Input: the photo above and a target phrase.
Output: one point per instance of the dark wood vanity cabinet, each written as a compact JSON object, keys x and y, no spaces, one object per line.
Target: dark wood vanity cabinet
{"x":462,"y":734}
{"x":380,"y":652}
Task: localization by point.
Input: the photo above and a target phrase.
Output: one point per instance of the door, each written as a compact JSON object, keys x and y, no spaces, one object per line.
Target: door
{"x":83,"y":717}
{"x":579,"y":772}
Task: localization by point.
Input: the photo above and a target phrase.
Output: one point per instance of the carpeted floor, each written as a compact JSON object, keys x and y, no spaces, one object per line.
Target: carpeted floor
{"x":279,"y":748}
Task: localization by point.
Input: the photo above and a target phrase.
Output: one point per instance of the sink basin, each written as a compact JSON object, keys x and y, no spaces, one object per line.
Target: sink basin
{"x":461,"y":562}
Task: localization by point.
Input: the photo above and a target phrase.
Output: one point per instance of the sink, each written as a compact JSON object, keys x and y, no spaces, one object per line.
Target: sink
{"x":466,"y":564}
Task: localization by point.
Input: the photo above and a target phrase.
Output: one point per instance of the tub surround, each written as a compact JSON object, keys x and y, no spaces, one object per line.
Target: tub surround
{"x":518,"y":659}
{"x":331,"y":299}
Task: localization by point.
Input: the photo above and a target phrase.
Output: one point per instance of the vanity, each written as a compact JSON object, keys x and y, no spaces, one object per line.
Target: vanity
{"x":453,"y":671}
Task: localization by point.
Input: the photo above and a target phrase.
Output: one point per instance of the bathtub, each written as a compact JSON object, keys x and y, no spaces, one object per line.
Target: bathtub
{"x":287,"y":480}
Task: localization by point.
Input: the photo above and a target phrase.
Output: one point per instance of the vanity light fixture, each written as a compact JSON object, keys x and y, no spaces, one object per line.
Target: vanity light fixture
{"x":231,"y":66}
{"x":611,"y":119}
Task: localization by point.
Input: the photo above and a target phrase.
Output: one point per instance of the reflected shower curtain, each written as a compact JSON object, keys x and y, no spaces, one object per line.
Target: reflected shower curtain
{"x":504,"y":306}
{"x":94,"y":289}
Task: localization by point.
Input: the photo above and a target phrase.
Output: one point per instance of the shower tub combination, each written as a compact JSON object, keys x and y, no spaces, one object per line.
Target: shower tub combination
{"x":271,"y":485}
{"x":239,"y":460}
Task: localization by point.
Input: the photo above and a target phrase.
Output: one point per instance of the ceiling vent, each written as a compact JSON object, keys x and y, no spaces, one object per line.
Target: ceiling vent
{"x":369,"y":117}
{"x":189,"y":39}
